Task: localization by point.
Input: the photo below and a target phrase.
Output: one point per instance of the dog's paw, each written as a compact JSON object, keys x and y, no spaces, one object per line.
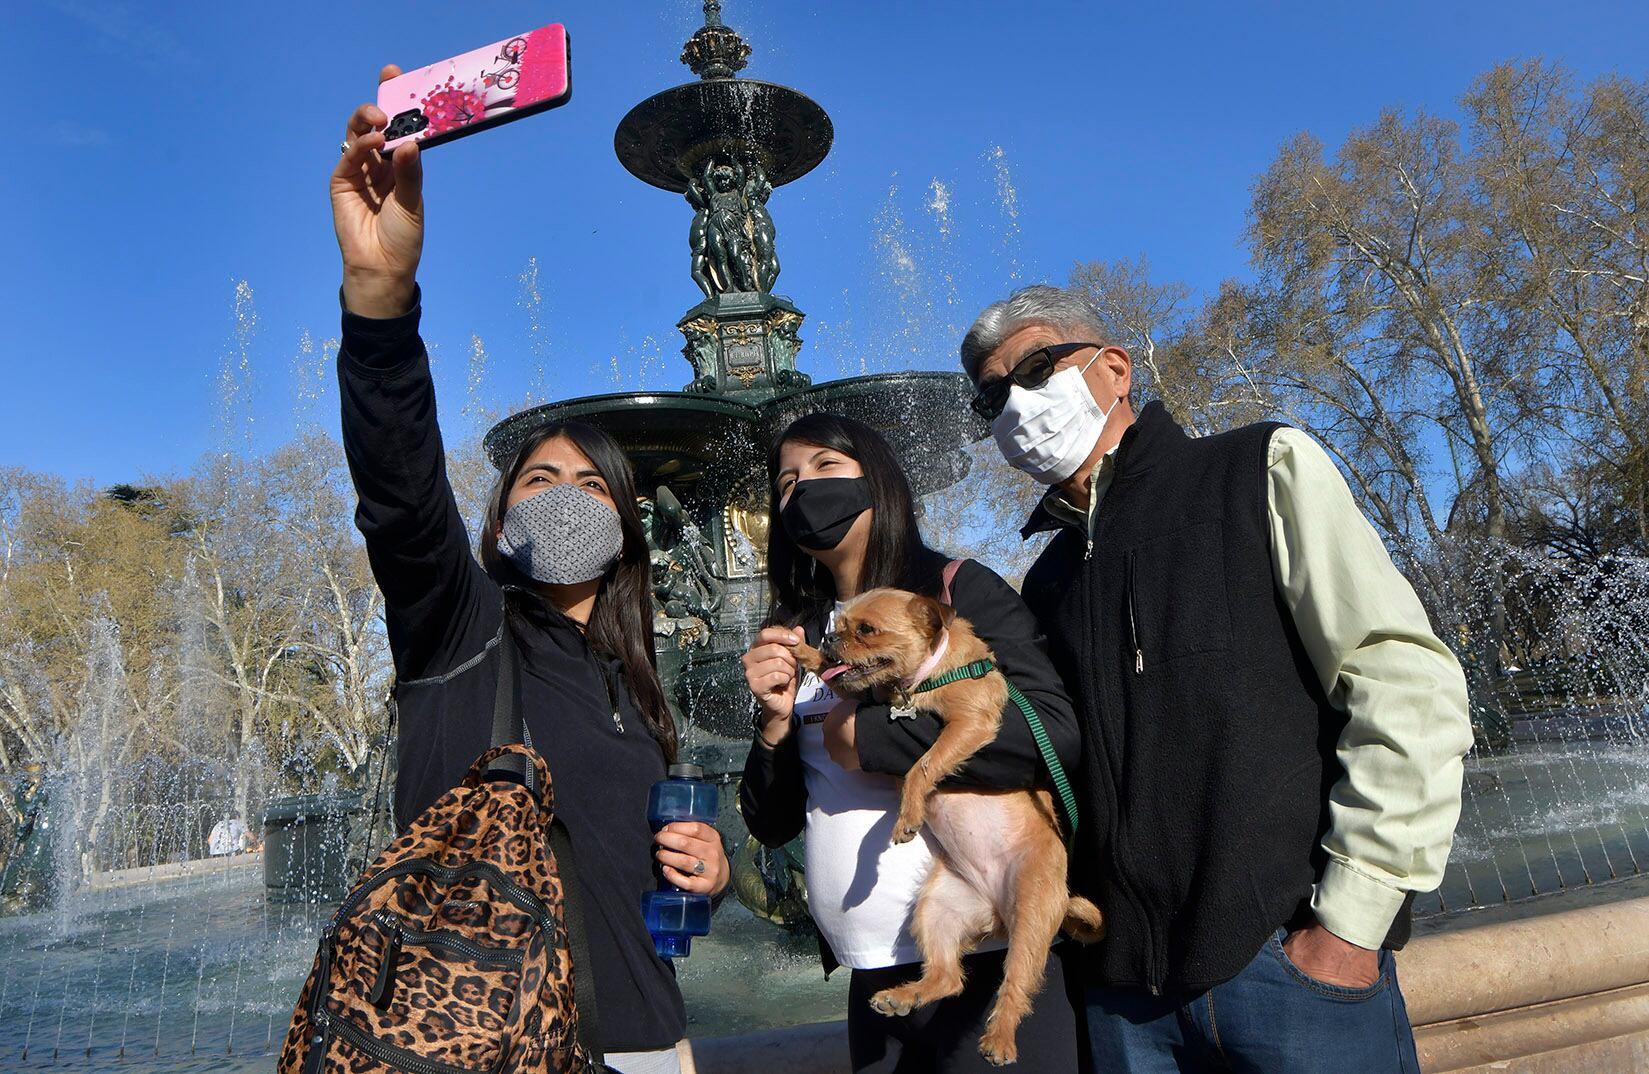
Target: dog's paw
{"x":999,"y":1050}
{"x":893,"y":1002}
{"x":906,"y":825}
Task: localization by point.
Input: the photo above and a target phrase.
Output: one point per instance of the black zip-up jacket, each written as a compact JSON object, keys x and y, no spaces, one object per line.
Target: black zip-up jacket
{"x":444,"y":614}
{"x":773,"y":794}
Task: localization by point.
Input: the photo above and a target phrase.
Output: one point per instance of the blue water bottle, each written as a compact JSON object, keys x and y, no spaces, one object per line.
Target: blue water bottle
{"x":675,"y":916}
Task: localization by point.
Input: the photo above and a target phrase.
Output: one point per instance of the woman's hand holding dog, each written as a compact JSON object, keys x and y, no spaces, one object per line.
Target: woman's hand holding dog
{"x":772,"y":673}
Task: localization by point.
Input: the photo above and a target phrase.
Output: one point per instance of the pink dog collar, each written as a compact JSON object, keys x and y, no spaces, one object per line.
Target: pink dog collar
{"x":930,"y":663}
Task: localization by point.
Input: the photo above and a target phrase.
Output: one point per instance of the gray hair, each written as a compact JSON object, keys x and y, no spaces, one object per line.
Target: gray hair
{"x":1066,"y":308}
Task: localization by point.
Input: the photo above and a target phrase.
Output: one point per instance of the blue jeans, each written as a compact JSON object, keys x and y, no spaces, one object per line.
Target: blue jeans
{"x":1269,"y":1019}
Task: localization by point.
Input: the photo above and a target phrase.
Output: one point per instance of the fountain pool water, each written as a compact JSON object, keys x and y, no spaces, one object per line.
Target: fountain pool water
{"x":1545,"y":817}
{"x":178,"y":968}
{"x":200,"y":971}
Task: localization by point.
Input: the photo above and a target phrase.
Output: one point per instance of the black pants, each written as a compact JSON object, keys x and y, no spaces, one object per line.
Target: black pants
{"x":943,"y":1037}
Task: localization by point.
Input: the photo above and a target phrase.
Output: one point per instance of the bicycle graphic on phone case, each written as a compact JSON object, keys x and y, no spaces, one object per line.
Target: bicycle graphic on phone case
{"x":507,"y":76}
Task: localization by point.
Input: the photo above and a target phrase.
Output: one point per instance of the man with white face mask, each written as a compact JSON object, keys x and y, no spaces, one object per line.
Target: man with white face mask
{"x":1272,"y":731}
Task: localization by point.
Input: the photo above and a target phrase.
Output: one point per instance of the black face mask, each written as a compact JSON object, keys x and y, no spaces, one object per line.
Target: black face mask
{"x":822,"y":510}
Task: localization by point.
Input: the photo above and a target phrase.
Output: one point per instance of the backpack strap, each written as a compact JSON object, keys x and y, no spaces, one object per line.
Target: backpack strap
{"x":509,"y":726}
{"x":578,"y":941}
{"x":948,"y":577}
{"x":1044,"y":745}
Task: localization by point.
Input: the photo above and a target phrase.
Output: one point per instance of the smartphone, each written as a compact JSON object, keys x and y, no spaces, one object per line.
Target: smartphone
{"x":506,"y":80}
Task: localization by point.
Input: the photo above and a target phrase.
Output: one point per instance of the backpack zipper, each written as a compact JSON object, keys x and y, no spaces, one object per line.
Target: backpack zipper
{"x":1133,"y":618}
{"x":532,"y":769}
{"x":397,"y":1058}
{"x":516,"y":894}
{"x":397,"y":933}
{"x":383,"y":986}
{"x":471,"y":949}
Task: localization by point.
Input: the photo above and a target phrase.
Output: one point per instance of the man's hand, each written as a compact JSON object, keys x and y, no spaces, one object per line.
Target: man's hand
{"x":1323,"y":956}
{"x":839,"y":739}
{"x":378,"y":215}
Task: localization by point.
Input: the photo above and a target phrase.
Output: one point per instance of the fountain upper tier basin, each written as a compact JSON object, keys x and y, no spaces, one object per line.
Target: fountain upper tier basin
{"x":665,"y":139}
{"x":709,"y":444}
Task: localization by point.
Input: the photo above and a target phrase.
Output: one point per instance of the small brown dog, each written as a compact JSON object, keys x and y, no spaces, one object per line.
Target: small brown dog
{"x":1001,"y":866}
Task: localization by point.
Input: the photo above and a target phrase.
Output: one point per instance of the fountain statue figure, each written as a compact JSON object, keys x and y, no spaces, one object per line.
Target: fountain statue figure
{"x":732,"y":232}
{"x":686,"y":589}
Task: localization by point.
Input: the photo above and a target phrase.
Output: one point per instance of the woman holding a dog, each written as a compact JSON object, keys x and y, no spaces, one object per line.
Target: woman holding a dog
{"x":843,"y":522}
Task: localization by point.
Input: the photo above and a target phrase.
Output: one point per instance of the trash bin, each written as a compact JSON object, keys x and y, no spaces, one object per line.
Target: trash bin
{"x":305,"y":847}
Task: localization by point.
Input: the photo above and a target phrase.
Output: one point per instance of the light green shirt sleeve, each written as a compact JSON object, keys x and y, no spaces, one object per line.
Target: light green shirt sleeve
{"x":1392,"y":815}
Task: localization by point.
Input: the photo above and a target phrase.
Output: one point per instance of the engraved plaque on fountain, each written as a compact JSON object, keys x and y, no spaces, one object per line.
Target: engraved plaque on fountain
{"x":744,"y":350}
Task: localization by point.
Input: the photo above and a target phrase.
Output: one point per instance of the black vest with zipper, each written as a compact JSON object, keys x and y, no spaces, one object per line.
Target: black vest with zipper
{"x":1208,"y":747}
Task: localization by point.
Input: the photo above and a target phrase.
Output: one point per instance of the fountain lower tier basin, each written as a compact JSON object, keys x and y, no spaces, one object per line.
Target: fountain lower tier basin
{"x":713,"y":444}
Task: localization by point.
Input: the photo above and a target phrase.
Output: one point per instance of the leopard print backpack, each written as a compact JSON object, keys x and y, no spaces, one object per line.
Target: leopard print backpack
{"x":455,"y":952}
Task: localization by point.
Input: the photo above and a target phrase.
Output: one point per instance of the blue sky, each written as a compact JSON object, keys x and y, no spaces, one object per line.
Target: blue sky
{"x":176,"y":154}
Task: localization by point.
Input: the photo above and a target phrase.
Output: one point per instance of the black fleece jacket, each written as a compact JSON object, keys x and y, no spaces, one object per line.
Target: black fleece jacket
{"x":773,"y":794}
{"x":444,"y":614}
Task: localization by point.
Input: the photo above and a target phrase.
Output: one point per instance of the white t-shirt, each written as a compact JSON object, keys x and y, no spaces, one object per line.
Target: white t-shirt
{"x":861,"y":887}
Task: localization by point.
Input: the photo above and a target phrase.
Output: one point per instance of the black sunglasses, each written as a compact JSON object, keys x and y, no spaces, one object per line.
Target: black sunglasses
{"x":1030,"y":373}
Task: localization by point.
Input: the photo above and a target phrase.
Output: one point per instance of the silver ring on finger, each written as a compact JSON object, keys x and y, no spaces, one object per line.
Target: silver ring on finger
{"x":343,"y":148}
{"x":698,"y":867}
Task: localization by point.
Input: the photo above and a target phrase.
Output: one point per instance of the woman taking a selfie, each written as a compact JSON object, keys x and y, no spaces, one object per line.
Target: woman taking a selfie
{"x":842,"y":522}
{"x":562,"y":543}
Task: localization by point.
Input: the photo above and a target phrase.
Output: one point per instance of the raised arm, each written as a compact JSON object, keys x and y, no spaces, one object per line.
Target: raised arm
{"x":415,"y":537}
{"x":1000,"y":617}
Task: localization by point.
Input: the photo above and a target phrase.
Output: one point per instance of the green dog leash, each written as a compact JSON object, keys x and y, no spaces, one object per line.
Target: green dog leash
{"x":978,"y":670}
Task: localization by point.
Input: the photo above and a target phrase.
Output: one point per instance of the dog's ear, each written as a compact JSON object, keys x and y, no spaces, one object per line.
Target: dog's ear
{"x":930,"y":615}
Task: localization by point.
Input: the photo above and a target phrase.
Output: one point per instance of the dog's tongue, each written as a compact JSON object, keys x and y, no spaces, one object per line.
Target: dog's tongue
{"x":831,"y":673}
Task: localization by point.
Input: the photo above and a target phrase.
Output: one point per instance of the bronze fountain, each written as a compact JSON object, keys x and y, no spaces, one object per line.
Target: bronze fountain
{"x":726,"y":143}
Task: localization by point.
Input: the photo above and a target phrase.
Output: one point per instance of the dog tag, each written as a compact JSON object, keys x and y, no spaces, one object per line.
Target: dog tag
{"x":901,"y":712}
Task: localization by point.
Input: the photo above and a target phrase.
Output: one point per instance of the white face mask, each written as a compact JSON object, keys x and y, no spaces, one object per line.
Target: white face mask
{"x":1048,"y":433}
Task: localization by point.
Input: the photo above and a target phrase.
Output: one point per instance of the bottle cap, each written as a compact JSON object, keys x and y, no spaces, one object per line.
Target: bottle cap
{"x":686,"y":771}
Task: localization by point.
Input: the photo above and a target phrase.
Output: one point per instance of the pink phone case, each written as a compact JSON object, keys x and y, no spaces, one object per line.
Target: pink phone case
{"x":506,"y":80}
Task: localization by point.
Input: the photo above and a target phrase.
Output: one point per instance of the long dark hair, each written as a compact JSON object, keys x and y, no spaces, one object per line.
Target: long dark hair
{"x":621,"y":623}
{"x":895,"y":554}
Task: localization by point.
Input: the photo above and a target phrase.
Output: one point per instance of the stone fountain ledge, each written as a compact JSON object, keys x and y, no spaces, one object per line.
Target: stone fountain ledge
{"x":143,"y":874}
{"x":1523,"y":989}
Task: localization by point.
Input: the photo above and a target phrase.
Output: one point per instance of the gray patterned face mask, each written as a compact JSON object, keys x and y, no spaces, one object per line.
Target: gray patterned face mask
{"x":561,"y":536}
